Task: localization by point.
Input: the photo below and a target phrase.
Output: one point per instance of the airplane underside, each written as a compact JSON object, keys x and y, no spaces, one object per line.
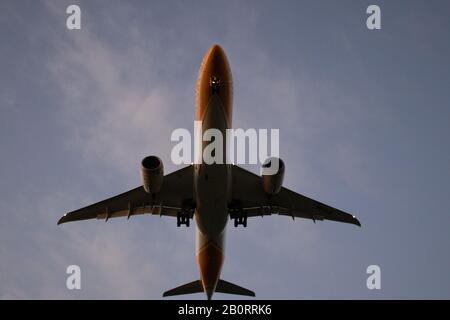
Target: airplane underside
{"x":211,"y":193}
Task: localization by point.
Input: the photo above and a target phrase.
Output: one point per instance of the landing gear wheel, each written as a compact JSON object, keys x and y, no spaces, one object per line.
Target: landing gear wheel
{"x":240,"y":219}
{"x":183,"y":218}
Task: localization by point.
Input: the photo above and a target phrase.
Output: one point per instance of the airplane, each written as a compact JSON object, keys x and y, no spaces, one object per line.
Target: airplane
{"x":210,"y":193}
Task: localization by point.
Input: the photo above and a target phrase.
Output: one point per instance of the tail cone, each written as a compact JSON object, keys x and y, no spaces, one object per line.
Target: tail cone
{"x":209,"y":293}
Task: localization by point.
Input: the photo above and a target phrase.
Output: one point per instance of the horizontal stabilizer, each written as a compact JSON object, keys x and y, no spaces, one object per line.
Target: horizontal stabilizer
{"x":230,"y":288}
{"x":188,"y":288}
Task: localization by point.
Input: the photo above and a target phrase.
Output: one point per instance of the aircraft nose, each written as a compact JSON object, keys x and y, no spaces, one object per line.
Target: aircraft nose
{"x":215,"y":47}
{"x":216,"y":63}
{"x":214,"y":77}
{"x":216,"y":53}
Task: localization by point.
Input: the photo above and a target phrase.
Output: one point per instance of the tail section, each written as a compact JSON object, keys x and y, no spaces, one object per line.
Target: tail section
{"x":230,"y":288}
{"x":188,"y":288}
{"x":197,"y":287}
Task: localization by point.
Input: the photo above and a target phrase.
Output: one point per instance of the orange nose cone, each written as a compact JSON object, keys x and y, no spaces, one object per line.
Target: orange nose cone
{"x":218,"y":57}
{"x":214,"y":77}
{"x":216,"y":52}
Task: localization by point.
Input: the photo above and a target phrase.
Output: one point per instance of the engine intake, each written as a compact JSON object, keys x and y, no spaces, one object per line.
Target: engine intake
{"x":272,"y":175}
{"x":152,"y":174}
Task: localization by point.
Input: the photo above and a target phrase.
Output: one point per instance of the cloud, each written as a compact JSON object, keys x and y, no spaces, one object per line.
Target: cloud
{"x":110,"y":119}
{"x":111,"y":112}
{"x":110,"y":257}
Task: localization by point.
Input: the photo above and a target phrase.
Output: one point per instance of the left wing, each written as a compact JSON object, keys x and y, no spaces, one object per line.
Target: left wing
{"x":176,"y":192}
{"x":248,"y":194}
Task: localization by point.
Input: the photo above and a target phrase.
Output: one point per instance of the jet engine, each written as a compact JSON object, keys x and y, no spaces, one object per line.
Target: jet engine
{"x":152,"y":174}
{"x":272,"y":175}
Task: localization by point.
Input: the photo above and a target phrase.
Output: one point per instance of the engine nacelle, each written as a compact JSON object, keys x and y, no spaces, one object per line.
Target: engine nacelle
{"x":152,"y":174}
{"x":272,"y":175}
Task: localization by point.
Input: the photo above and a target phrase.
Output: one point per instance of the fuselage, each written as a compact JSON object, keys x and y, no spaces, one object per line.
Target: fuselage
{"x":212,"y":182}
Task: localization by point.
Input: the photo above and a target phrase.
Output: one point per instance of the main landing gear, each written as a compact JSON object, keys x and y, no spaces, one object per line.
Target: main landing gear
{"x":239,"y":217}
{"x":184,"y":217}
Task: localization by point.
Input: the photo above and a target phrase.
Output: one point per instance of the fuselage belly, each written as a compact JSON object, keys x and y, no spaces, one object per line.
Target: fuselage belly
{"x":212,"y":182}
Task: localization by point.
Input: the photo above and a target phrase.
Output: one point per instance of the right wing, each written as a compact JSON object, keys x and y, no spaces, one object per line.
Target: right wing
{"x":249,"y":194}
{"x":176,"y":192}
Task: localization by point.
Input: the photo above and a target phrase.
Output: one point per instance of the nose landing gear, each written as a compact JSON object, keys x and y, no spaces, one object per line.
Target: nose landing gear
{"x":214,"y":82}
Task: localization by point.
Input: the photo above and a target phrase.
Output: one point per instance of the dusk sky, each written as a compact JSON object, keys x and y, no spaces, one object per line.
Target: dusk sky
{"x":364,"y":119}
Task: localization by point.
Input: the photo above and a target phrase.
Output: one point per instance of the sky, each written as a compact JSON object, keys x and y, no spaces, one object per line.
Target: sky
{"x":364,"y":122}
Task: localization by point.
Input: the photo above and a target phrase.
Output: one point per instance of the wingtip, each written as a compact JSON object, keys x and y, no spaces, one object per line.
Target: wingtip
{"x":356,"y":222}
{"x":61,"y":220}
